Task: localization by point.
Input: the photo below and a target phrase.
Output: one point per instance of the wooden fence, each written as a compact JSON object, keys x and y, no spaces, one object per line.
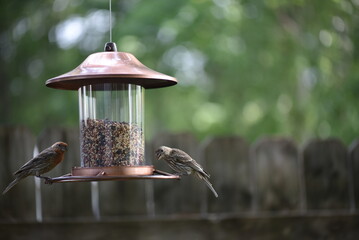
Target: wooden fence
{"x":272,"y":176}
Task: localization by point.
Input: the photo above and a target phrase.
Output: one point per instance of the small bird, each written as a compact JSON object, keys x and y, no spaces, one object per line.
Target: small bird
{"x":183,"y":164}
{"x":42,"y":163}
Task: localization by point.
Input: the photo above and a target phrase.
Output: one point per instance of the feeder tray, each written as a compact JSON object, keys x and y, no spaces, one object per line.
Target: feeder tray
{"x":127,"y":175}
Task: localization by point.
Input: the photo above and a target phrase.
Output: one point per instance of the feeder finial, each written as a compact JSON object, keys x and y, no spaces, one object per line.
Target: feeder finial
{"x":110,"y":47}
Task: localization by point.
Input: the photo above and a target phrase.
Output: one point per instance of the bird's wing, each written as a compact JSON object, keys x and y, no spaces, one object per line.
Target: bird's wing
{"x":38,"y":161}
{"x":180,"y":155}
{"x":184,"y":158}
{"x":199,"y":168}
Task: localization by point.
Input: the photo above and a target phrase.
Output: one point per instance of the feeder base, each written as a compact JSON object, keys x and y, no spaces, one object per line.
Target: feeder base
{"x":156,"y":174}
{"x":113,"y":171}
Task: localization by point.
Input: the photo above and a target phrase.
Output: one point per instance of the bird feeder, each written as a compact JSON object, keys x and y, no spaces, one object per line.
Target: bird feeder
{"x":111,"y":87}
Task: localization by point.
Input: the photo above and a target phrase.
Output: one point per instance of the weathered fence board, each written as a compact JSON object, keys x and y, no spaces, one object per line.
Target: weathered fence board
{"x":122,"y":198}
{"x":17,"y":149}
{"x":354,"y":160}
{"x":173,"y":196}
{"x":76,"y":196}
{"x":326,"y":174}
{"x":276,"y":174}
{"x":227,"y":161}
{"x":262,"y":177}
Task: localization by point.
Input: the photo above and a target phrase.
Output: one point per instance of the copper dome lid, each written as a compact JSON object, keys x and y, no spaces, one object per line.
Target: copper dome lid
{"x":111,"y":67}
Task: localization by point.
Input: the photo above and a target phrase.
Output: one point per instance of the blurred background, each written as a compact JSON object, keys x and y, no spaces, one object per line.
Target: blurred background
{"x":248,"y":68}
{"x":266,"y":100}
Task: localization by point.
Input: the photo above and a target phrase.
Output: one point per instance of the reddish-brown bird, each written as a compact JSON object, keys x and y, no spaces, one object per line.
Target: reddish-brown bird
{"x":42,"y":163}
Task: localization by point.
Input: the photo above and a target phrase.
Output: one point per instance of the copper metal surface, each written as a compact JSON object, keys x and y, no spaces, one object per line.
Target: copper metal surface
{"x":113,"y":171}
{"x":70,"y":178}
{"x":111,"y":67}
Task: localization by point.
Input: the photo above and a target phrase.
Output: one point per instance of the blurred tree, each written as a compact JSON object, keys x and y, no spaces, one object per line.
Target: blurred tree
{"x":244,"y":67}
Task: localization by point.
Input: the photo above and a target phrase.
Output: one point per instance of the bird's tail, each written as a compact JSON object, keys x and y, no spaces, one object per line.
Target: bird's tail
{"x":11,"y":185}
{"x":209,"y":185}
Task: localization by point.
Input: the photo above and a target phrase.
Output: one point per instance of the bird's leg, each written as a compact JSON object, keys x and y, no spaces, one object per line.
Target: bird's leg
{"x":48,"y":180}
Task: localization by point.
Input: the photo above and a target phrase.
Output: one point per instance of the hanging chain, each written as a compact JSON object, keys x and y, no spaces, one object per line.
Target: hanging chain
{"x":110,"y":20}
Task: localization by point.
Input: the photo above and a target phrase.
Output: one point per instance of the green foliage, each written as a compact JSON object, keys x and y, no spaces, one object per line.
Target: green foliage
{"x":247,"y":68}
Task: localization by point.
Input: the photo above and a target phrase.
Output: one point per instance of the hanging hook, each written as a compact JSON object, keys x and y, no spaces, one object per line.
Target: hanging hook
{"x":110,"y":47}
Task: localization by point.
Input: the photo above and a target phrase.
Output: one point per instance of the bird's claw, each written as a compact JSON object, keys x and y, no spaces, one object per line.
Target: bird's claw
{"x":48,"y":180}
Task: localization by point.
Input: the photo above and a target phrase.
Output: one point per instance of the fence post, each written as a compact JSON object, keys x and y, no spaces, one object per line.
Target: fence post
{"x":16,"y":146}
{"x":354,"y":173}
{"x":226,"y":159}
{"x":326,"y":174}
{"x":276,"y":173}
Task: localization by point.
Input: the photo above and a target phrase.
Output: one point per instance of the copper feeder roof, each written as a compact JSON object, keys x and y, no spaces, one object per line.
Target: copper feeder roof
{"x":111,"y":67}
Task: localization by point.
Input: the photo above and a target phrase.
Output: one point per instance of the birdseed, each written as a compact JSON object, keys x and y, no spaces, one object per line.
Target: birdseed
{"x":107,"y":143}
